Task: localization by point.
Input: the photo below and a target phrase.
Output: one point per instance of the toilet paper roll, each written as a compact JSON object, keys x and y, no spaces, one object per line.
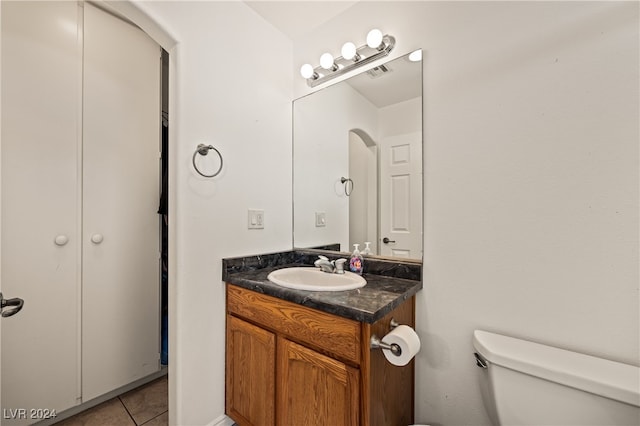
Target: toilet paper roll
{"x":409,"y":342}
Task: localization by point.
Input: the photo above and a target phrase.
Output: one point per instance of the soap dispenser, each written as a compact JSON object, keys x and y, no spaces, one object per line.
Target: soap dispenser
{"x":356,"y":263}
{"x":367,"y":249}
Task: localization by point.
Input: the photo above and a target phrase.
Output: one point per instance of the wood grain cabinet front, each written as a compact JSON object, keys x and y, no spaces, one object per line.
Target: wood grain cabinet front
{"x":250,"y":373}
{"x":314,"y":389}
{"x":287,"y":364}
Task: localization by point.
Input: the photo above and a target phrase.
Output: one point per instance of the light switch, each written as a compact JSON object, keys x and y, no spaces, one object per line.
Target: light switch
{"x":321,"y":219}
{"x":256,"y":219}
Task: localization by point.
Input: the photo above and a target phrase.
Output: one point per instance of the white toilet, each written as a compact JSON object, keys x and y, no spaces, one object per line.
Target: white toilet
{"x":526,"y":383}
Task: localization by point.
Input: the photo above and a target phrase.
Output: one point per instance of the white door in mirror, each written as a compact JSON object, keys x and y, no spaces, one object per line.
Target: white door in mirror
{"x":401,"y":189}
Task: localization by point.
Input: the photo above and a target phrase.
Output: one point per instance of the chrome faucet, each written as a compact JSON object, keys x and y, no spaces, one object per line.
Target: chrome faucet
{"x":324,"y":264}
{"x":330,"y":266}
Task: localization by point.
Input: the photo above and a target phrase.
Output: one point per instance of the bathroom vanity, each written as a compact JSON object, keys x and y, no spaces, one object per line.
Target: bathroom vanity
{"x":303,"y":358}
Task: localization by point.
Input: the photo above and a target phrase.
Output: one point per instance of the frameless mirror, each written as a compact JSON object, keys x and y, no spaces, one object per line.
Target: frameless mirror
{"x":357,"y":163}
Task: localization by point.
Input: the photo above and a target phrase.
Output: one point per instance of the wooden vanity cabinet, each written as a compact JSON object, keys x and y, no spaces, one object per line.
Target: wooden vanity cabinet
{"x":287,"y":364}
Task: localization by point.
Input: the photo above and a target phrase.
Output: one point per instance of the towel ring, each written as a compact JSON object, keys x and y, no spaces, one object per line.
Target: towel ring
{"x":203,"y":150}
{"x":346,"y":182}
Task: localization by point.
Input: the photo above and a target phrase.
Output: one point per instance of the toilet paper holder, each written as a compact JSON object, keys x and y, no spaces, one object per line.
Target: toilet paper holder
{"x":376,"y":343}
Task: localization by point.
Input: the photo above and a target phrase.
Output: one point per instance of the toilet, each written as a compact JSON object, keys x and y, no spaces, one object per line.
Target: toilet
{"x":526,"y":383}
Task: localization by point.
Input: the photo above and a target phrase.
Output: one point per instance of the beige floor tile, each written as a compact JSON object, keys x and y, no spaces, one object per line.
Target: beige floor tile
{"x":111,"y":412}
{"x":148,"y":401}
{"x":161,"y":420}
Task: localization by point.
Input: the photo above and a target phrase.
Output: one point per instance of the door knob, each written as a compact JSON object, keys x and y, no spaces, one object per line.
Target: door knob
{"x":97,"y":238}
{"x":387,"y":241}
{"x":16,"y":304}
{"x":61,"y":240}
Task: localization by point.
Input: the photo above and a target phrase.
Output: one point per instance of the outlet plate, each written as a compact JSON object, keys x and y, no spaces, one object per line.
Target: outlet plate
{"x":256,"y":219}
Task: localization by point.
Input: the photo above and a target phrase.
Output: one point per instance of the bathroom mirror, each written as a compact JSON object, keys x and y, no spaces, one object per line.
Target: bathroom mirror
{"x":357,"y":163}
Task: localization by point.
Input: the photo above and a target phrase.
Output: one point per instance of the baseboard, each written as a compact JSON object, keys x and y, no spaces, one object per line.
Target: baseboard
{"x":223,"y":420}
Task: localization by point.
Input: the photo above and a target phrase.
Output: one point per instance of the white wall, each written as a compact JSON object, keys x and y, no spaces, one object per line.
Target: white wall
{"x":531,"y":178}
{"x":401,"y":118}
{"x":231,"y":87}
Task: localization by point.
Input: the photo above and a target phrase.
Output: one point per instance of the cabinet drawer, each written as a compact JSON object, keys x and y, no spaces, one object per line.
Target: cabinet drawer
{"x":330,"y":333}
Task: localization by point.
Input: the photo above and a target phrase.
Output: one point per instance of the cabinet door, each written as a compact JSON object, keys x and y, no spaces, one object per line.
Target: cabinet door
{"x":121,"y":250}
{"x":314,"y":389}
{"x":250,"y":373}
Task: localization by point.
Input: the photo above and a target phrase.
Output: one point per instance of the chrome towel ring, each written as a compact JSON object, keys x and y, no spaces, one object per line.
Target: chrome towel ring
{"x":203,"y":150}
{"x":346,"y":182}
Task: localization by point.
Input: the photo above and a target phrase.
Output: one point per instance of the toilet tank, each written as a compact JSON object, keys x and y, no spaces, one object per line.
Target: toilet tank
{"x":526,"y":383}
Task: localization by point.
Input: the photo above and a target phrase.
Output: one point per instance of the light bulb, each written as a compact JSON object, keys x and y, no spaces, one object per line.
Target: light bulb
{"x":374,"y":38}
{"x":307,"y":71}
{"x":416,"y":55}
{"x":349,"y":51}
{"x":326,"y":61}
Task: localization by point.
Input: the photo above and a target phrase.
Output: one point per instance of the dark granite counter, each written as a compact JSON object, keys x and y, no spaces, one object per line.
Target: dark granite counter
{"x":389,"y":283}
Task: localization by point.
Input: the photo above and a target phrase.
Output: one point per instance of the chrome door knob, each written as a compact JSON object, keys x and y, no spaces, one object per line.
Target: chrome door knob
{"x":97,"y":238}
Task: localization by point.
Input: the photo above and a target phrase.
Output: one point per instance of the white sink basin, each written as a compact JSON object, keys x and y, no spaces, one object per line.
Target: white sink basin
{"x":313,"y":279}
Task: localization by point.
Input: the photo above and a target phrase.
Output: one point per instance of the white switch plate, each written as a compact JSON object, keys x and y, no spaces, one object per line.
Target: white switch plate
{"x":256,"y":219}
{"x":321,"y":219}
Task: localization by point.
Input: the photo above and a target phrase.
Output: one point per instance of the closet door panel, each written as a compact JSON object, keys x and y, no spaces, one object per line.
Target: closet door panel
{"x":121,"y":297}
{"x":41,"y":66}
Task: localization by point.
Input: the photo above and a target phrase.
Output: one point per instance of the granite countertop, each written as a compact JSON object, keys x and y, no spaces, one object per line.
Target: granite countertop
{"x":389,"y":284}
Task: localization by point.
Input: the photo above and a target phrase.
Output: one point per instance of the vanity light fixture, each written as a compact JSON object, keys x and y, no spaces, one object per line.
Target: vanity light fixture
{"x":378,"y":46}
{"x":374,"y":39}
{"x":350,"y":52}
{"x":327,"y":62}
{"x":307,"y":71}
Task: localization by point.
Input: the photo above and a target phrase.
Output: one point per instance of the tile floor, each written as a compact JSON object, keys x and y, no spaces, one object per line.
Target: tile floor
{"x":146,"y":405}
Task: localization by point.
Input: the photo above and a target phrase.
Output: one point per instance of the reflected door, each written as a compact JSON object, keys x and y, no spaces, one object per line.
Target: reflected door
{"x":401,"y":196}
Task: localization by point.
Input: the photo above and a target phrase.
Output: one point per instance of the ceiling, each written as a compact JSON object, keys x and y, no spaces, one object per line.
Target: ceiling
{"x":401,"y":81}
{"x":297,"y":18}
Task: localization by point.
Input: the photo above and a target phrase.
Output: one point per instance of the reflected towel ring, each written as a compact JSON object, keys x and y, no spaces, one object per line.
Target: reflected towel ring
{"x":347,"y":191}
{"x":203,"y":150}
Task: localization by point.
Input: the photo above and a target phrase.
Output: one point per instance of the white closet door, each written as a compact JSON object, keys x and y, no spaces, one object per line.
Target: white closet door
{"x":40,"y":138}
{"x":121,"y":151}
